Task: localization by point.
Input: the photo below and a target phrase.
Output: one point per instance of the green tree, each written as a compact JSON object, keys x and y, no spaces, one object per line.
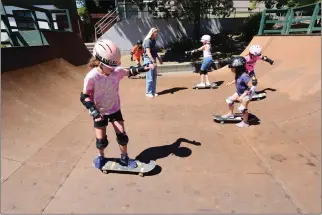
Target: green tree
{"x":192,"y":10}
{"x":82,"y":10}
{"x":282,"y":3}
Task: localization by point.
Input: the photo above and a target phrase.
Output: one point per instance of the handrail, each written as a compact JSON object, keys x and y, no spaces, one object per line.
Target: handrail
{"x":103,"y":23}
{"x":102,"y":28}
{"x":290,"y":18}
{"x":105,"y":17}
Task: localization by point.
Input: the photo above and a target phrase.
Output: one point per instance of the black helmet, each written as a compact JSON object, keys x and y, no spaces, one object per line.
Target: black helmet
{"x":139,"y":42}
{"x":237,"y":62}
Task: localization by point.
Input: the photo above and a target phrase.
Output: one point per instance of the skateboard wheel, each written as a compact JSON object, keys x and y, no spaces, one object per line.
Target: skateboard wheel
{"x":222,"y":122}
{"x":105,"y":171}
{"x":141,"y":174}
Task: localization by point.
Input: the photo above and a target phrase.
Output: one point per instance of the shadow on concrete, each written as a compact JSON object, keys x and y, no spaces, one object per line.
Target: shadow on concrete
{"x":218,"y":83}
{"x":171,"y":90}
{"x":158,"y":152}
{"x":253,"y":120}
{"x":266,"y":89}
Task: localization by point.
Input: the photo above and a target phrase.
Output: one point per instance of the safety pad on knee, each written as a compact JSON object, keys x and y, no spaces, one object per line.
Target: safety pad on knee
{"x":229,"y":101}
{"x":242,"y":109}
{"x":102,"y":143}
{"x":122,"y":139}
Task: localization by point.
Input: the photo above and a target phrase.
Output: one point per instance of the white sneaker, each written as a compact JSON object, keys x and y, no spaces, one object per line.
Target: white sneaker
{"x":201,"y":85}
{"x":208,"y":84}
{"x":149,"y":95}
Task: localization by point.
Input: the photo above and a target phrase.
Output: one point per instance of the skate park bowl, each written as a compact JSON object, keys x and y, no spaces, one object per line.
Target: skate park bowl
{"x":273,"y":166}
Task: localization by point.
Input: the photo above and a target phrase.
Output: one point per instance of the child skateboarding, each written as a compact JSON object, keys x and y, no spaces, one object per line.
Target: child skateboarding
{"x":100,"y":96}
{"x":255,"y":52}
{"x":244,"y":90}
{"x":207,"y":61}
{"x":137,"y":52}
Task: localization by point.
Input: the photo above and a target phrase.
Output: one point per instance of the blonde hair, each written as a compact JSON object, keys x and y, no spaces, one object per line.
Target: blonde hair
{"x":148,"y":36}
{"x":93,"y":62}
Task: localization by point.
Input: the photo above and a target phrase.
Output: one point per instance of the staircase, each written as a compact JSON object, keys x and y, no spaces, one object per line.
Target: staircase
{"x":90,"y":46}
{"x":102,"y":26}
{"x":106,"y":23}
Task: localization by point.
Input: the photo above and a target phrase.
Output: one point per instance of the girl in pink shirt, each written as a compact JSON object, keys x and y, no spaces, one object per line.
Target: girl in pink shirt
{"x":255,"y":52}
{"x":101,"y":97}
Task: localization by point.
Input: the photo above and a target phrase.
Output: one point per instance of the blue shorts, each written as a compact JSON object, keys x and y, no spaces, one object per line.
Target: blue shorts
{"x":206,"y":64}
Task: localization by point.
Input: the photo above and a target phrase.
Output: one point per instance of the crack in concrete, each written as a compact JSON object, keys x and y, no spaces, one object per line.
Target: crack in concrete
{"x":269,"y":170}
{"x":67,"y":176}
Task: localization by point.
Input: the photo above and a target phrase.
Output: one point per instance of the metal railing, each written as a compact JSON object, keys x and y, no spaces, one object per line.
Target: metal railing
{"x":105,"y":23}
{"x":292,"y":20}
{"x":12,"y":31}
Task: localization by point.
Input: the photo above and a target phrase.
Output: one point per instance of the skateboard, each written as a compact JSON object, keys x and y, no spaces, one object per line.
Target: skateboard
{"x":258,"y":96}
{"x":237,"y":118}
{"x":138,"y":77}
{"x":212,"y":86}
{"x":114,"y":164}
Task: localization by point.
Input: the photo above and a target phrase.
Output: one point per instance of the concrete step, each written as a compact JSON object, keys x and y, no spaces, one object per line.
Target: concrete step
{"x":90,"y":46}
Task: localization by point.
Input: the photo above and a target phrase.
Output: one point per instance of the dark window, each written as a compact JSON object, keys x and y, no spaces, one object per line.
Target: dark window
{"x":24,"y":19}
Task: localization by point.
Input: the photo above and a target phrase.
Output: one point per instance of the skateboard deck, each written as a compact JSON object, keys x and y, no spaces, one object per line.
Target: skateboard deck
{"x":212,"y":86}
{"x":237,"y":118}
{"x":138,"y":77}
{"x":114,"y":164}
{"x":258,"y":96}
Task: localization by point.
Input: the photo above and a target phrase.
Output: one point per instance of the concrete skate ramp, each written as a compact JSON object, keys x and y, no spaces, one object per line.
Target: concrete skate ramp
{"x":273,"y":166}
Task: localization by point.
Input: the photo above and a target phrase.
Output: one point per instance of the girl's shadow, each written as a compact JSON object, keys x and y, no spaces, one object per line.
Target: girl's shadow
{"x":157,"y":152}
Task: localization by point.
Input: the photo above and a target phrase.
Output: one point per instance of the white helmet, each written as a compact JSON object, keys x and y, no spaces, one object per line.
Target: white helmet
{"x":205,"y":38}
{"x":255,"y":50}
{"x":107,"y":53}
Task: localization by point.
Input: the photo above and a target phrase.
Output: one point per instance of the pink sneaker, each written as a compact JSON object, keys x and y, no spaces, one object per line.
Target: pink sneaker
{"x":242,"y":124}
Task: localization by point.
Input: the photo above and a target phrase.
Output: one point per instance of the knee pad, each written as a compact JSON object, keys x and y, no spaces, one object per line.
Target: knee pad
{"x":122,"y":139}
{"x":102,"y":143}
{"x":229,"y":101}
{"x":242,"y":109}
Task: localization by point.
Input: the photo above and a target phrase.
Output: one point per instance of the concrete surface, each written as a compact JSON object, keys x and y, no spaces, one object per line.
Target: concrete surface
{"x":273,"y":166}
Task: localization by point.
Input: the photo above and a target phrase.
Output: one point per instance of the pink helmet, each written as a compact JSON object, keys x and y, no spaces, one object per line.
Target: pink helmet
{"x":107,"y":53}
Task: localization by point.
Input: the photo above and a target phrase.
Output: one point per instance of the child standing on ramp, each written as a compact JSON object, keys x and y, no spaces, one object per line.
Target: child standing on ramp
{"x":101,"y":97}
{"x":207,"y":60}
{"x":255,"y":52}
{"x":243,"y":90}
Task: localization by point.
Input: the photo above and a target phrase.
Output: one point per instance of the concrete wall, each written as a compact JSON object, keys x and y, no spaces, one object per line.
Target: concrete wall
{"x":126,"y":32}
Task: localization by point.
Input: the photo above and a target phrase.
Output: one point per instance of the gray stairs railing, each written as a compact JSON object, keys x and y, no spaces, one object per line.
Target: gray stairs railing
{"x":105,"y":23}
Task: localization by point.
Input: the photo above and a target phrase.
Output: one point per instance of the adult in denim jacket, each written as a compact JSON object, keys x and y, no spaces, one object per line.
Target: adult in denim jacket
{"x":150,"y":55}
